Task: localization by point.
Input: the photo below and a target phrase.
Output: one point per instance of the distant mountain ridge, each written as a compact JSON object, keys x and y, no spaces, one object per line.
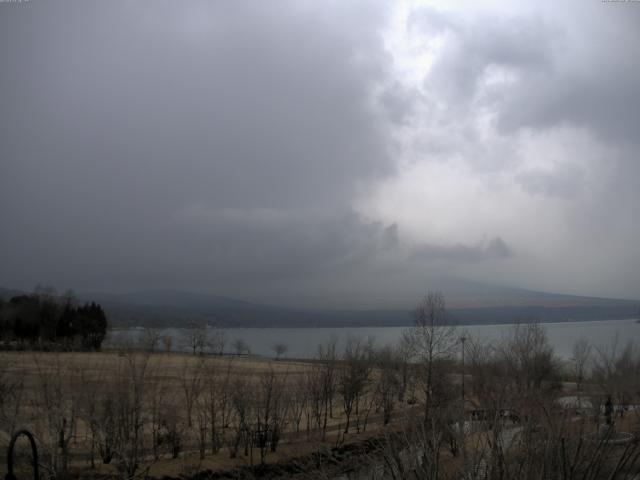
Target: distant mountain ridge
{"x":488,"y":304}
{"x":169,"y":298}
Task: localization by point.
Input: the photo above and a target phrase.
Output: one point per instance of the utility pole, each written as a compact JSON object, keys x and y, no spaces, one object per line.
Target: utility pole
{"x":462,"y":421}
{"x":462,"y":340}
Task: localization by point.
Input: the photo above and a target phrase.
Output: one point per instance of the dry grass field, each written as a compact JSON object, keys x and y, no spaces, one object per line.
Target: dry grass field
{"x":173,"y":414}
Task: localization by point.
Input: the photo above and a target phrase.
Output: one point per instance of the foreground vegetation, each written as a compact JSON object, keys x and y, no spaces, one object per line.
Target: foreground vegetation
{"x":509,"y":410}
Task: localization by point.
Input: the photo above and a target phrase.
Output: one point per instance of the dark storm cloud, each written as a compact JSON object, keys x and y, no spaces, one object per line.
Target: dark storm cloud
{"x":275,"y":245}
{"x":261,"y":108}
{"x":252,"y":147}
{"x":495,"y":248}
{"x":118,"y":117}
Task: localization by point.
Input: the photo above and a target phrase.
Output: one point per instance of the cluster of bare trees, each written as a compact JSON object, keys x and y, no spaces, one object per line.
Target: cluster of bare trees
{"x":115,"y":411}
{"x":132,"y":408}
{"x":511,"y":423}
{"x":196,"y":339}
{"x":616,"y":368}
{"x":527,"y":432}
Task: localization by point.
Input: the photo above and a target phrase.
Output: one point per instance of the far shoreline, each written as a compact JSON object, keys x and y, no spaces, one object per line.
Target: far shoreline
{"x":333,"y":327}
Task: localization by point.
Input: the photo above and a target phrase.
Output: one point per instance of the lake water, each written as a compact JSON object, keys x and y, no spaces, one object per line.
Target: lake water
{"x":303,"y":342}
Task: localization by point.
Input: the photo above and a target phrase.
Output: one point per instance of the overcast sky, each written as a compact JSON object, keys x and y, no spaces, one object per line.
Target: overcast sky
{"x":322,"y":153}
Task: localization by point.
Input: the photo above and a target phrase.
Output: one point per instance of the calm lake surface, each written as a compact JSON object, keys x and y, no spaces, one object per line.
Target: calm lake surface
{"x":303,"y":342}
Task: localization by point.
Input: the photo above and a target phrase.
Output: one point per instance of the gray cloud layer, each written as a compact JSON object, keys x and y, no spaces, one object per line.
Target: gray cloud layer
{"x":495,"y":248}
{"x":226,"y":147}
{"x":119,"y":117}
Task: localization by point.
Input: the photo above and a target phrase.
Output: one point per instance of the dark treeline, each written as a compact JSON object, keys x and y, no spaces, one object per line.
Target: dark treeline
{"x":46,"y":320}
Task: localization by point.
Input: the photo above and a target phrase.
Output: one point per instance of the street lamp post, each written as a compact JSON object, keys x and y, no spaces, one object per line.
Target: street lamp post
{"x":462,"y":340}
{"x":462,"y":423}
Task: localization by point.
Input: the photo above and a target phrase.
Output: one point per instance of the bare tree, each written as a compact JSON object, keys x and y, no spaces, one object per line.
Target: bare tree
{"x":433,"y":341}
{"x":269,"y":412}
{"x":490,"y":377}
{"x":191,"y":383}
{"x":217,"y":340}
{"x":580,"y":360}
{"x":299,"y":400}
{"x":161,"y":402}
{"x":279,"y":349}
{"x":388,"y":382}
{"x":326,"y":380}
{"x":56,"y":407}
{"x":91,"y":388}
{"x":11,"y":395}
{"x":403,"y":354}
{"x":167,"y":343}
{"x":242,"y":407}
{"x":617,"y":370}
{"x":171,"y":428}
{"x":314,"y":381}
{"x":240,"y":347}
{"x":353,"y":375}
{"x":529,"y":355}
{"x":196,"y":337}
{"x":149,"y":339}
{"x":203,"y":412}
{"x":122,"y":414}
{"x":214,"y":403}
{"x":225,"y":404}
